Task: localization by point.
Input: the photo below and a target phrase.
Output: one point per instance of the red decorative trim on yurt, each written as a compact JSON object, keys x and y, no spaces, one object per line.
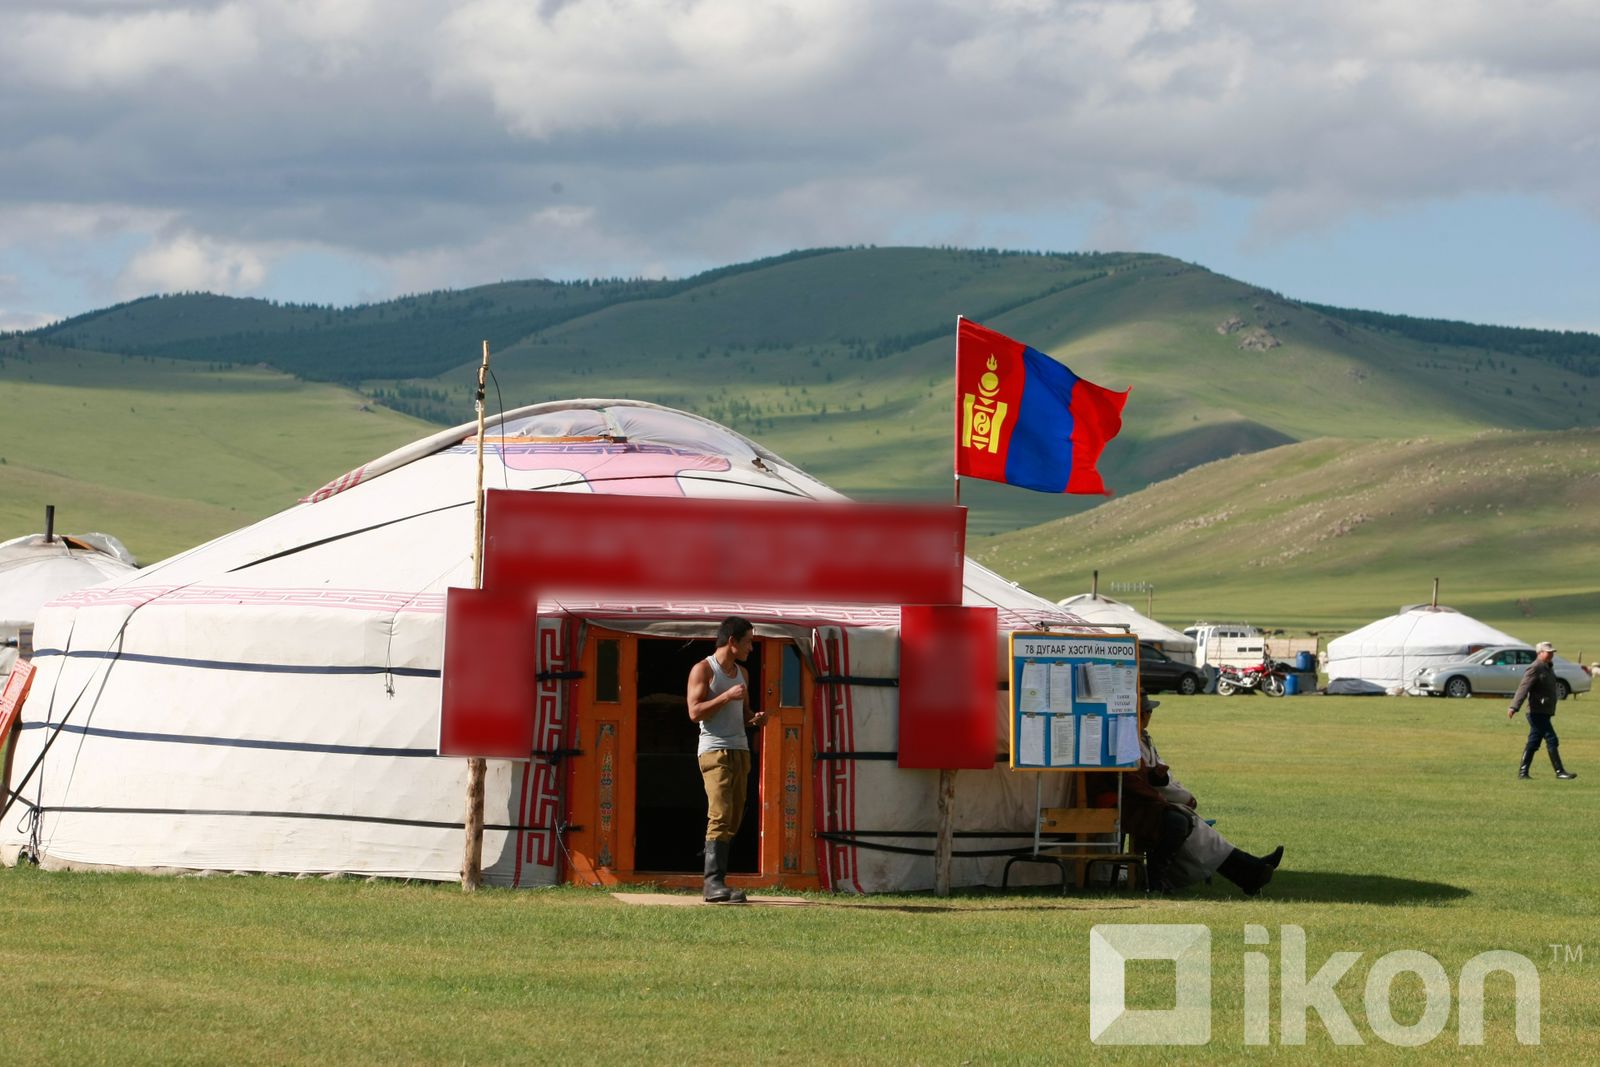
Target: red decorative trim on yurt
{"x":386,"y":600}
{"x":541,"y":793}
{"x":345,"y":481}
{"x":836,"y":791}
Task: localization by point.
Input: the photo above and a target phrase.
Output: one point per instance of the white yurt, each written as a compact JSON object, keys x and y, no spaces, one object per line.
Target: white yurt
{"x":37,"y":568}
{"x":1383,"y":656}
{"x":269,"y":701}
{"x":1102,"y":610}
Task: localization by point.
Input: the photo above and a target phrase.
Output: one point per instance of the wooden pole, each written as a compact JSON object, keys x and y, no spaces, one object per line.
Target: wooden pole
{"x":946,"y":841}
{"x":477,"y":767}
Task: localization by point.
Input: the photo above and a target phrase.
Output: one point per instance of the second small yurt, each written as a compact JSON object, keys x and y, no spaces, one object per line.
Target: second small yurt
{"x":37,"y":568}
{"x":1104,"y":611}
{"x":1383,"y":656}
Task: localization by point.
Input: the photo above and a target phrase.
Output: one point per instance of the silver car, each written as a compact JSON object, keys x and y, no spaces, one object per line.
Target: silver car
{"x":1494,"y":670}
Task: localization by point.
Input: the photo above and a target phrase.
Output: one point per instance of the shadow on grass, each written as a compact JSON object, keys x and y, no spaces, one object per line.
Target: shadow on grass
{"x":1333,"y":887}
{"x":1323,"y":887}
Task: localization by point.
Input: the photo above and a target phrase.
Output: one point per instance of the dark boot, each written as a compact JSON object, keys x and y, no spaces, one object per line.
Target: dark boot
{"x":1555,"y":761}
{"x":717,"y":891}
{"x":1273,"y":858}
{"x":1527,"y":757}
{"x":1247,"y":872}
{"x":1175,"y":830}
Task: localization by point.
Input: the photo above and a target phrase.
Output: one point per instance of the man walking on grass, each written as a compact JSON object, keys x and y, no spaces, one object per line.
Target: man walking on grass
{"x":717,"y":705}
{"x":1541,"y":690}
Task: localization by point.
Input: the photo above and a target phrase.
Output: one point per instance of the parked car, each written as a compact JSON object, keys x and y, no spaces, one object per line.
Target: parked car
{"x":1494,"y":670}
{"x":1159,"y":672}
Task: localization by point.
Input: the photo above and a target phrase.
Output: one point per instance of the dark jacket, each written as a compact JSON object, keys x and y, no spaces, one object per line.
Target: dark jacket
{"x":1539,"y":688}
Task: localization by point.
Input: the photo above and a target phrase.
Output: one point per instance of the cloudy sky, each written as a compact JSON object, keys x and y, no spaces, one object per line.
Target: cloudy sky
{"x":1430,"y":158}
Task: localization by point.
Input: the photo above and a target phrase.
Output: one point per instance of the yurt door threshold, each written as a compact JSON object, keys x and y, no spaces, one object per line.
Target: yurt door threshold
{"x":637,"y":812}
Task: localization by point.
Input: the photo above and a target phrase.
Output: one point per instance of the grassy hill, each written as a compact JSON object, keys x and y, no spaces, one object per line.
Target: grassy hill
{"x":841,"y":359}
{"x":1332,"y":533}
{"x":165,"y":454}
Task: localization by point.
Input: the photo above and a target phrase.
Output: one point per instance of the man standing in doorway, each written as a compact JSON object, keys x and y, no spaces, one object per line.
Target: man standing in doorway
{"x":717,"y":705}
{"x":1541,"y":690}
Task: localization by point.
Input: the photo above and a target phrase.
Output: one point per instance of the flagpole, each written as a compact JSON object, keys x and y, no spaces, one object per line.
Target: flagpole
{"x":477,"y":766}
{"x":944,"y":843}
{"x":955,"y":439}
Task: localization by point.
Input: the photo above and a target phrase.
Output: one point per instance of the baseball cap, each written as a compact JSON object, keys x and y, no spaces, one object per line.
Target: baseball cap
{"x":1544,"y":646}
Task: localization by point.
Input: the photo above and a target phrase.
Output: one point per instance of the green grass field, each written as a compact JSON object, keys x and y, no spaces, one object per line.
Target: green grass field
{"x":166,"y":454}
{"x":1329,"y":535}
{"x":1404,"y":825}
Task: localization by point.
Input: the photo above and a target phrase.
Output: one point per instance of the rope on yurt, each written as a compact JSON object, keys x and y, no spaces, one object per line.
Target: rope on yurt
{"x":104,"y":675}
{"x":853,"y":840}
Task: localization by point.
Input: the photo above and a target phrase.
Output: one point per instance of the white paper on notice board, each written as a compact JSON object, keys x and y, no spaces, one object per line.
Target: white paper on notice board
{"x":1125,"y":739}
{"x":1030,"y":740}
{"x":1089,"y":730}
{"x":1035,"y":684}
{"x":1061,"y":687}
{"x":1061,"y":741}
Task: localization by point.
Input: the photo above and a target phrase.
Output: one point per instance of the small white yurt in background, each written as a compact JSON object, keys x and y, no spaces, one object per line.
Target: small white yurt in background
{"x":1103,"y":611}
{"x":1383,"y":656}
{"x":37,"y":568}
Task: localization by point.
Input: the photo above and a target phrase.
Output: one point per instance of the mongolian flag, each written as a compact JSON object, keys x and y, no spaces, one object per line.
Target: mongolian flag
{"x":1024,"y":419}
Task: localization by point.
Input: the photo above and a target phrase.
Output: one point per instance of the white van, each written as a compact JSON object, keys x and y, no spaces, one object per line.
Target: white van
{"x":1227,"y":644}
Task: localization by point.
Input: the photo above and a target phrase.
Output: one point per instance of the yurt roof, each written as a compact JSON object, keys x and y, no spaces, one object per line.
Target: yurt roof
{"x":1092,"y":607}
{"x":397,"y":532}
{"x":34,"y":571}
{"x":1419,"y":628}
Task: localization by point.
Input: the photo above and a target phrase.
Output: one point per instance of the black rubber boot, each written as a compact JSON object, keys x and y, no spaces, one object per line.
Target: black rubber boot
{"x":1175,"y":830}
{"x":1555,"y":761}
{"x":1248,"y":872}
{"x":1522,"y":771}
{"x":717,"y":891}
{"x":1527,"y":757}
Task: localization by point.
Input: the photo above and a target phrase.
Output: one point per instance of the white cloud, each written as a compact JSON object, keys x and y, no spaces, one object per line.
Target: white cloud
{"x":487,"y":138}
{"x":102,"y":50}
{"x":192,"y":262}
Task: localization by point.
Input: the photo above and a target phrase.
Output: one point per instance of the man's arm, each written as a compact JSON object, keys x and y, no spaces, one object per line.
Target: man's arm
{"x":751,"y":719}
{"x":1522,"y":691}
{"x":702,"y":705}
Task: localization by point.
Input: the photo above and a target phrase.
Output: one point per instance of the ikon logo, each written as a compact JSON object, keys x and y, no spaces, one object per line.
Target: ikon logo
{"x":1188,"y":1022}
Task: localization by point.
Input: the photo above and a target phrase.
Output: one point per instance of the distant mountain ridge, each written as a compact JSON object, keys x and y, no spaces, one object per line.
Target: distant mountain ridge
{"x":841,"y":359}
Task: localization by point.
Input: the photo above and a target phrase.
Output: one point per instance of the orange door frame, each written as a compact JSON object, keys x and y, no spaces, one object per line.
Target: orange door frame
{"x":601,"y":778}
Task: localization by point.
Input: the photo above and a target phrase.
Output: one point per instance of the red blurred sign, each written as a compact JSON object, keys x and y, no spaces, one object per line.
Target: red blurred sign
{"x":725,"y":549}
{"x":18,"y":682}
{"x":948,"y":687}
{"x":666,"y":546}
{"x":489,"y":684}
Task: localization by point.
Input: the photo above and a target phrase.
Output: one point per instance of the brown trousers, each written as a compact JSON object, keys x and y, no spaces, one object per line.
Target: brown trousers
{"x":726,"y":773}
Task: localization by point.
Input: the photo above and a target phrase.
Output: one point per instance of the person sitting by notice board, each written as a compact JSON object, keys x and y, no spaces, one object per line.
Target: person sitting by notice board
{"x":1180,"y":847}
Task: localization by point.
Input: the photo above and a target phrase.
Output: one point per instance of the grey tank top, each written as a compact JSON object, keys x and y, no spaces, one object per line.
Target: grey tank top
{"x":725,"y":729}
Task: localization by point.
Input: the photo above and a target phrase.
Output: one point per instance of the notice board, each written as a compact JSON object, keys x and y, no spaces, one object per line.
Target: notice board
{"x":1074,"y":702}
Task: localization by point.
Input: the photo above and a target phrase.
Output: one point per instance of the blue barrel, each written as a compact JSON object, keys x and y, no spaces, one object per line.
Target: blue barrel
{"x":1305,"y":661}
{"x":1291,"y":684}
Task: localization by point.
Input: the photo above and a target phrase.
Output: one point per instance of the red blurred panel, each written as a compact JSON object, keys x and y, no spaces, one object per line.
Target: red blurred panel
{"x":489,"y":687}
{"x":18,"y":682}
{"x":724,"y":549}
{"x":947,"y":687}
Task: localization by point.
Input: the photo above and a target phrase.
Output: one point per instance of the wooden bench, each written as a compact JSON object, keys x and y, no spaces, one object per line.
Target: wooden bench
{"x":1102,"y":823}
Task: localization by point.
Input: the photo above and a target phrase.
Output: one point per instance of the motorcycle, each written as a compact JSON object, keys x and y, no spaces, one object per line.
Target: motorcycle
{"x":1266,"y":676}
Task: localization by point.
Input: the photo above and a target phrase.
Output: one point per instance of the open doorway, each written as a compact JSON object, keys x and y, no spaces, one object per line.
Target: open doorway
{"x":669,"y":797}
